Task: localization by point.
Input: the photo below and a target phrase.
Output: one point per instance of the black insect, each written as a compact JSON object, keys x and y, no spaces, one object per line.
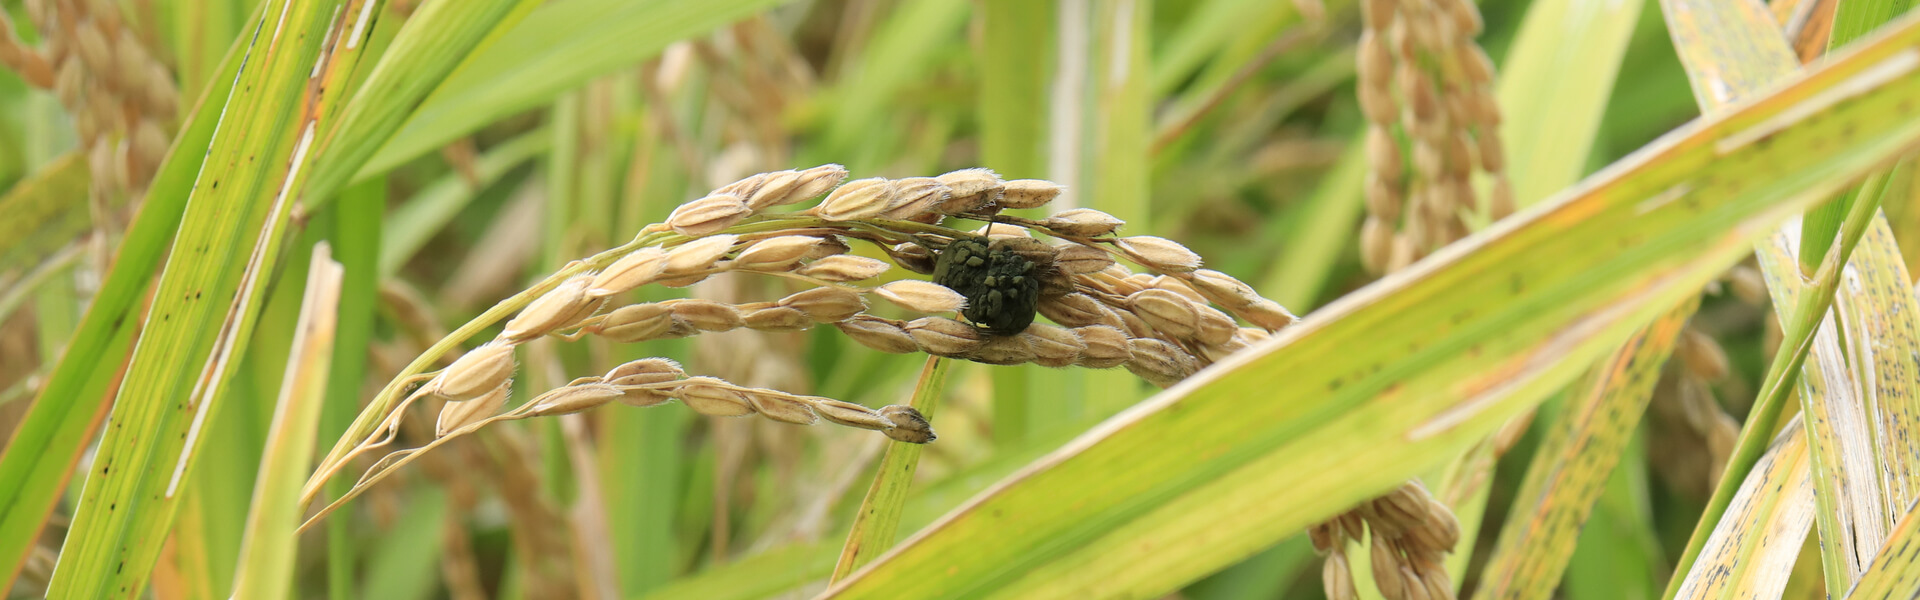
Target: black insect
{"x":1001,"y":285}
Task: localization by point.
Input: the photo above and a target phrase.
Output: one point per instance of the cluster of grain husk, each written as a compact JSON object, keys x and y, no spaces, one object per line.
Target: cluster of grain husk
{"x":1162,"y":322}
{"x":122,"y":98}
{"x":1426,"y":88}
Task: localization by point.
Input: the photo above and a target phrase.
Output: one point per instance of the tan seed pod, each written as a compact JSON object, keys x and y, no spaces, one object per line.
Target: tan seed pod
{"x":1337,"y":577}
{"x":1106,"y":347}
{"x":858,"y":199}
{"x":1474,"y":62}
{"x":1386,"y":568}
{"x":908,"y":425}
{"x":1748,"y":285}
{"x":1076,"y":310}
{"x":845,"y":267}
{"x":556,"y":309}
{"x":642,"y":397}
{"x":697,"y":256}
{"x":775,"y":254}
{"x":711,"y":396}
{"x":781,"y":406}
{"x":1223,"y":289}
{"x":1322,"y":537}
{"x":745,"y":187}
{"x":1376,"y":245}
{"x":635,"y":322}
{"x":1053,"y":346}
{"x":1160,"y":253}
{"x":1136,"y":283}
{"x":850,"y":414}
{"x":1493,"y":156}
{"x":1215,"y":327}
{"x":1375,"y":60}
{"x":828,"y":246}
{"x":1001,"y":231}
{"x":814,"y":182}
{"x":1029,"y":193}
{"x":914,"y":257}
{"x":574,"y":398}
{"x":1160,"y":363}
{"x":922,"y":296}
{"x":636,"y":269}
{"x":708,"y":215}
{"x":476,"y":372}
{"x":1500,"y":198}
{"x":915,"y":196}
{"x":1702,"y":355}
{"x":879,"y":334}
{"x":1383,"y":154}
{"x":970,"y":190}
{"x":827,"y":304}
{"x":1168,"y":312}
{"x":1252,"y":335}
{"x":645,"y":371}
{"x":941,"y":336}
{"x":1178,"y":286}
{"x":1268,"y":314}
{"x":1083,"y":222}
{"x":454,"y":415}
{"x":1003,"y":350}
{"x":773,"y":188}
{"x":777,"y":318}
{"x":707,"y":315}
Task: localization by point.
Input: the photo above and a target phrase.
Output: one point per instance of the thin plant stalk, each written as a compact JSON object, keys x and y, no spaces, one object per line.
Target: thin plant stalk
{"x":877,"y":525}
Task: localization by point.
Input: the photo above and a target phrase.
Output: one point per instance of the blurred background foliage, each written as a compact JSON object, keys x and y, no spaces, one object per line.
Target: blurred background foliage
{"x":1230,"y":125}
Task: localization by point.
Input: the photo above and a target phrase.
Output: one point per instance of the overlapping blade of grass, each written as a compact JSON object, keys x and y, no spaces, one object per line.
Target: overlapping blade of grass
{"x":1859,"y":403}
{"x":193,"y":334}
{"x":266,"y":556}
{"x":202,"y":313}
{"x":555,"y":48}
{"x":39,"y":458}
{"x":1394,"y":379}
{"x":1752,"y":550}
{"x":1571,"y":467}
{"x":1851,"y":394}
{"x":876,"y":526}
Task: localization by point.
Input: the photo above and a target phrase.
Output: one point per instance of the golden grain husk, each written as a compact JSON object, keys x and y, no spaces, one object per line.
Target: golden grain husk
{"x":907,"y":425}
{"x":1083,"y":222}
{"x":454,"y":415}
{"x":850,"y":414}
{"x":1160,"y":253}
{"x":697,"y":256}
{"x":879,"y":334}
{"x":777,"y":318}
{"x":475,"y":373}
{"x":635,"y":323}
{"x":709,"y":215}
{"x":781,"y":407}
{"x":844,"y":268}
{"x":556,"y":309}
{"x":858,"y":199}
{"x":1106,"y":347}
{"x":1028,"y":193}
{"x":941,"y":336}
{"x":707,"y":315}
{"x":922,"y":296}
{"x":775,"y":254}
{"x":826,"y":304}
{"x":636,"y":269}
{"x":574,"y":398}
{"x":970,"y":190}
{"x":712,"y":396}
